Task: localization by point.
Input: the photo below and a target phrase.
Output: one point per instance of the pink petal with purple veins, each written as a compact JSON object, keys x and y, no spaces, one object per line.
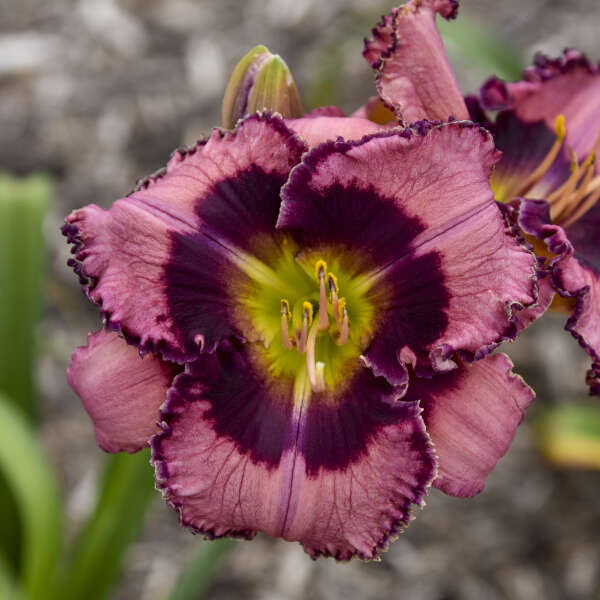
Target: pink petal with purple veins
{"x":413,"y":73}
{"x":161,"y":262}
{"x":569,"y":85}
{"x":453,"y":270}
{"x":121,"y":391}
{"x":337,"y":472}
{"x":471,"y":415}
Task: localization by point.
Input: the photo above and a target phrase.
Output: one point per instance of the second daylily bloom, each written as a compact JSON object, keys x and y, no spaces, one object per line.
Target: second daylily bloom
{"x":286,"y":294}
{"x":549,"y":132}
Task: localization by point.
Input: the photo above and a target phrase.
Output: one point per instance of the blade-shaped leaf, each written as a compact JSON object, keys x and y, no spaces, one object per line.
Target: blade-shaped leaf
{"x":23,"y":206}
{"x":32,"y":480}
{"x":126,"y":491}
{"x":198,"y":574}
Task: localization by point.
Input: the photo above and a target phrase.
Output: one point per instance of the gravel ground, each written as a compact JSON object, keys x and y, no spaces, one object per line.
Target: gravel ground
{"x":98,"y":93}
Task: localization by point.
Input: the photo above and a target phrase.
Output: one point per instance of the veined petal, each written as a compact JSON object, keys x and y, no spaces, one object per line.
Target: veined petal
{"x":413,"y":73}
{"x":243,"y":451}
{"x":420,"y":211}
{"x":573,"y":274}
{"x":524,"y":145}
{"x":317,"y":129}
{"x":161,"y":262}
{"x":471,"y":415}
{"x":120,"y":390}
{"x":568,"y":85}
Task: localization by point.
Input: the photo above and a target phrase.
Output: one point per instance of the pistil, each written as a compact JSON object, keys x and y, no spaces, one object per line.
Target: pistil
{"x":315,"y":370}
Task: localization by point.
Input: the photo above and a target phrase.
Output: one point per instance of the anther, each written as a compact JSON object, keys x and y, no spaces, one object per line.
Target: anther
{"x":286,"y":315}
{"x":333,"y":296}
{"x":321,"y":269}
{"x":307,"y":317}
{"x":546,"y":163}
{"x":344,"y":326}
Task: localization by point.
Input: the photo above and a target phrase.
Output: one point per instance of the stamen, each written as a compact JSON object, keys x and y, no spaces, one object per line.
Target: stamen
{"x":286,"y":315}
{"x":321,"y":269}
{"x":333,"y":292}
{"x":589,"y":202}
{"x":345,"y":326}
{"x":577,"y":187}
{"x":315,"y":370}
{"x":559,"y":199}
{"x":307,"y":317}
{"x":543,"y":167}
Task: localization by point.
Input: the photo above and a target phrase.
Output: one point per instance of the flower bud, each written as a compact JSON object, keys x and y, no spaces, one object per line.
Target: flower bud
{"x":260,"y":81}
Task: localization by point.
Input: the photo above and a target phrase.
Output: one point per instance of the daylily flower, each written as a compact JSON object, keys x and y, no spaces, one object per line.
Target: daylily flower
{"x":548,"y":132}
{"x":286,"y":294}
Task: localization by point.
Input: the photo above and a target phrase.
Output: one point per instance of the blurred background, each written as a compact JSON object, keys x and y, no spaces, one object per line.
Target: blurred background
{"x":95,"y":94}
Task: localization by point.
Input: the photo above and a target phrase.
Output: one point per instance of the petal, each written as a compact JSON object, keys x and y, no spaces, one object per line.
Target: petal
{"x":162,"y":262}
{"x":418,"y":211}
{"x":568,"y":85}
{"x":316,"y":129}
{"x":573,"y":274}
{"x":524,"y":145}
{"x":120,"y":390}
{"x":471,"y":415}
{"x":243,"y":452}
{"x":413,"y":72}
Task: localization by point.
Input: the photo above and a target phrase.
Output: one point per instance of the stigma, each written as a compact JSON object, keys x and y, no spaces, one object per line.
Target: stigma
{"x":327,"y":316}
{"x":579,"y":192}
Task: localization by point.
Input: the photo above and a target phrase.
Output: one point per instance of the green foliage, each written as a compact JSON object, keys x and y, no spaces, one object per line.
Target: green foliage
{"x":126,"y":490}
{"x":198,"y":574}
{"x":32,"y":480}
{"x":23,"y":206}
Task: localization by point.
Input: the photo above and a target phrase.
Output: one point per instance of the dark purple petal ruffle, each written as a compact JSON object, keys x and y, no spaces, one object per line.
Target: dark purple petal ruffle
{"x":419,"y":211}
{"x":164,"y":262}
{"x":240,"y":452}
{"x":571,"y":275}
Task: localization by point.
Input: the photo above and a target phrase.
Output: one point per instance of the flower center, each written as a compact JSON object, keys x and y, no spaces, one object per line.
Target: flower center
{"x":305,"y":338}
{"x":309,"y":329}
{"x":578,"y":193}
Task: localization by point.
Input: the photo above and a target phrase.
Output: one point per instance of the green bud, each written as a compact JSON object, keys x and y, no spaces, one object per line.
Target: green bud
{"x":260,"y":81}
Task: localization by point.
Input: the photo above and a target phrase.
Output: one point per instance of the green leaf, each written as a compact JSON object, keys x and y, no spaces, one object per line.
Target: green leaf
{"x":569,"y":435}
{"x":472,"y":42}
{"x":23,"y":206}
{"x":196,"y":577}
{"x":32,"y":480}
{"x":126,"y":491}
{"x":8,"y":585}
